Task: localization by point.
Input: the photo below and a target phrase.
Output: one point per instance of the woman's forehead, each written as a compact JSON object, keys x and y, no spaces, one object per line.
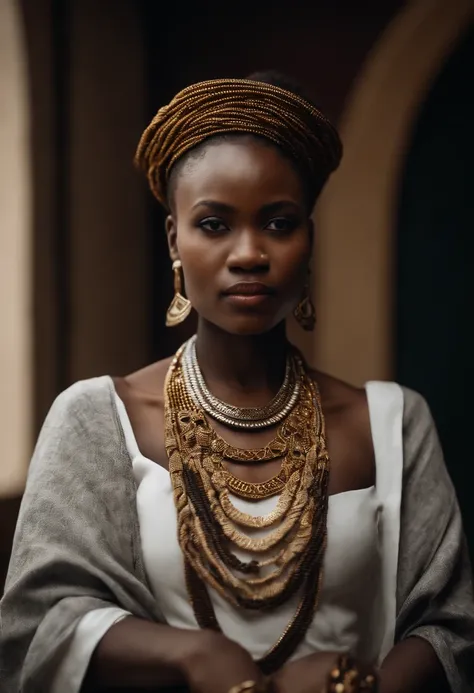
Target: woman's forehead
{"x":229,"y":171}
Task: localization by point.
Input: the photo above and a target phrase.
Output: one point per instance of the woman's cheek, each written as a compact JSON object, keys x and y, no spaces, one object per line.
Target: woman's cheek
{"x":195,"y":286}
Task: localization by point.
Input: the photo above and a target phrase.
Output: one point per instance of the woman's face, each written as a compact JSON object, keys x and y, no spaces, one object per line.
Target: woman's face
{"x":241,"y":229}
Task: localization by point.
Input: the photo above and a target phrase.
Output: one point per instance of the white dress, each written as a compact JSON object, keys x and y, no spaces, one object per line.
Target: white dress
{"x":356,"y":610}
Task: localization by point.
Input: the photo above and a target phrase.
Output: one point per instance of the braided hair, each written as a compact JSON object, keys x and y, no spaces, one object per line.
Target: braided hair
{"x":266,"y":106}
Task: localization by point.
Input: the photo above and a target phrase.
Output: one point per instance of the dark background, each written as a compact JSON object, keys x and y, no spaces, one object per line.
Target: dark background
{"x":435,"y":253}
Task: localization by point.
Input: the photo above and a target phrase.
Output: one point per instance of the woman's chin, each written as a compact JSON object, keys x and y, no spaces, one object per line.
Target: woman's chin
{"x":248,"y":326}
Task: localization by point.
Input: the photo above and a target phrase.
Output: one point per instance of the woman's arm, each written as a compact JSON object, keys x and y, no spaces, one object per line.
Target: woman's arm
{"x":139,"y":654}
{"x":412,"y":667}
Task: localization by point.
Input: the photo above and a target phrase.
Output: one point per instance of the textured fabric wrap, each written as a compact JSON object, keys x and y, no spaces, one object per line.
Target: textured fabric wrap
{"x":224,"y":106}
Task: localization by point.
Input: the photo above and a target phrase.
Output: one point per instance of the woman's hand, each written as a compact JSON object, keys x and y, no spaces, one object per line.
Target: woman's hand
{"x":306,"y":675}
{"x":214,"y":664}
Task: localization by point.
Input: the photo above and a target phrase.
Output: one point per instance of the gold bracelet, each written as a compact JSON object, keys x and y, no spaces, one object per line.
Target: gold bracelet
{"x":346,"y":678}
{"x":246,"y":687}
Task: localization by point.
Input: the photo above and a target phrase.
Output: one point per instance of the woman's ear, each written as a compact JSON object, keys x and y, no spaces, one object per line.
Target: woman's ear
{"x":171,"y":234}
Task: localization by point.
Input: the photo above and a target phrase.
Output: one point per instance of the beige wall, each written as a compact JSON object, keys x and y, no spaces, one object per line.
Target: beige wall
{"x":15,"y":265}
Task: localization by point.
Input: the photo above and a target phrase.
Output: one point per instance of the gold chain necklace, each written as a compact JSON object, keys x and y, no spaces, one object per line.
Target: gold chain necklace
{"x":256,"y":491}
{"x":274,"y":450}
{"x":209,"y":525}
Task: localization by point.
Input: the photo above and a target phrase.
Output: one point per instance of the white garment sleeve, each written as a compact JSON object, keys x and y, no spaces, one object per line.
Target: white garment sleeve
{"x":386,"y":420}
{"x":89,"y":631}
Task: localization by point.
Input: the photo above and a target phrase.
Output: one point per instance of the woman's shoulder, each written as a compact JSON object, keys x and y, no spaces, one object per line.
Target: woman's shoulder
{"x":376,"y":403}
{"x":145,"y":385}
{"x":81,"y":418}
{"x":97,"y":390}
{"x":82,"y":413}
{"x":83,"y":397}
{"x":348,"y":429}
{"x":340,"y":397}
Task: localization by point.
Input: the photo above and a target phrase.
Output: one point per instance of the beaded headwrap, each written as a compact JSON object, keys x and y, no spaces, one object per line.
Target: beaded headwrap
{"x":221,"y":106}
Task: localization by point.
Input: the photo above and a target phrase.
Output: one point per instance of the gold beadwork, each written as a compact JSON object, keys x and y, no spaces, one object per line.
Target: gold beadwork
{"x":180,"y":307}
{"x":274,"y":450}
{"x":221,"y":106}
{"x":288,"y":559}
{"x":253,"y":491}
{"x":345,"y":677}
{"x":250,"y":687}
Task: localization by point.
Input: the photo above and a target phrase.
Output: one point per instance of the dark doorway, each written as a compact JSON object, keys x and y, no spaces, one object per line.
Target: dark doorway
{"x":435,"y":306}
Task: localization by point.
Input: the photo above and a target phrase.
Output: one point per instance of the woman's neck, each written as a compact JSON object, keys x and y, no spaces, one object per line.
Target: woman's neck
{"x":242,"y":370}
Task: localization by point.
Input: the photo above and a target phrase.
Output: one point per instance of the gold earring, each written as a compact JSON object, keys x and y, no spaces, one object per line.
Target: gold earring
{"x":180,"y":307}
{"x":305,"y":312}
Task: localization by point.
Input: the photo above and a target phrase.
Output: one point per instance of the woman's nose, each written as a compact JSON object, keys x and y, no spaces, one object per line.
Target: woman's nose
{"x":248,"y":254}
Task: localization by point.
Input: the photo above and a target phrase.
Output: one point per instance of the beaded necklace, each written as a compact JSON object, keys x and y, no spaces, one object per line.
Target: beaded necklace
{"x":209,"y":525}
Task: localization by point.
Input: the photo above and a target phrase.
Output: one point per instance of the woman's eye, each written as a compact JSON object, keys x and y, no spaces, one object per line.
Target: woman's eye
{"x":213,"y":225}
{"x":282,"y":224}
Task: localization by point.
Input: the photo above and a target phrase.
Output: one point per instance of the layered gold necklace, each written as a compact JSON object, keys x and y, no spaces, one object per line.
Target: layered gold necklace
{"x":288,"y":559}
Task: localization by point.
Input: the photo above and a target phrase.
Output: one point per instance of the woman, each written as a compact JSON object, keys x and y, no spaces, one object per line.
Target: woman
{"x":229,"y":519}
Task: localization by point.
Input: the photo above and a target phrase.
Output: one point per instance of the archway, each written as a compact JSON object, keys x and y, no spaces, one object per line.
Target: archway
{"x":435,"y":251}
{"x":15,"y":255}
{"x":355,"y":280}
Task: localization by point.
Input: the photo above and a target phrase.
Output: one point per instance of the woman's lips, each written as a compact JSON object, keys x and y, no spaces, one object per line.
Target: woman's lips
{"x":247,"y":300}
{"x":248,"y":294}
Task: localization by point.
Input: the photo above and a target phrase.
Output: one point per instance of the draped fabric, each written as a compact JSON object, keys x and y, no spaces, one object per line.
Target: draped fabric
{"x":77,"y":543}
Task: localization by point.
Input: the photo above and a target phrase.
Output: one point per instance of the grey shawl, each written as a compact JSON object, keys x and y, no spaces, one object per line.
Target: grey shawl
{"x":77,"y":543}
